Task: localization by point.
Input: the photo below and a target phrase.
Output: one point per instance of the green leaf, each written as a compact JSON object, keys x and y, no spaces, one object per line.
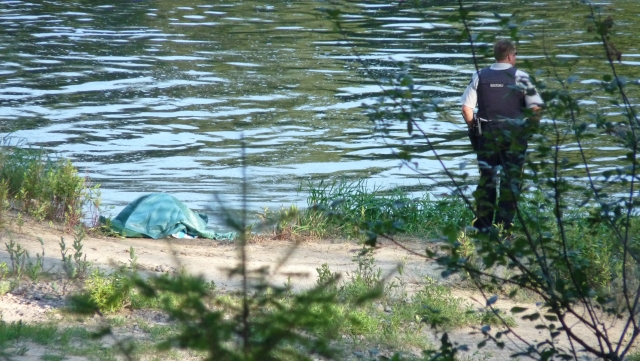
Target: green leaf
{"x":333,"y":13}
{"x":492,"y":300}
{"x":531,"y":317}
{"x":518,"y":309}
{"x":406,"y":81}
{"x":372,"y":239}
{"x":404,"y":155}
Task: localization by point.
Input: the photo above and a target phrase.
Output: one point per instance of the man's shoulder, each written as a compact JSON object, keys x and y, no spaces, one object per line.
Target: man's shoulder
{"x":521,"y":73}
{"x":479,"y":72}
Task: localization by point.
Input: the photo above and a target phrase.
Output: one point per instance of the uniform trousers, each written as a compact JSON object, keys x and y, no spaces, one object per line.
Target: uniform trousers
{"x":501,"y":153}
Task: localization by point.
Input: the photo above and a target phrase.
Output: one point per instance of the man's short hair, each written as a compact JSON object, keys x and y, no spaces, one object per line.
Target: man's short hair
{"x":502,"y":49}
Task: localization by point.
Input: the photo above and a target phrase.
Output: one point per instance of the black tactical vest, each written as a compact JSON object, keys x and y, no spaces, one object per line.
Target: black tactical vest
{"x":497,"y":97}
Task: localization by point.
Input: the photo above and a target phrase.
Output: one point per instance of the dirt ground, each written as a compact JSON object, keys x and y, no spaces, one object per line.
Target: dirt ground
{"x":213,"y":259}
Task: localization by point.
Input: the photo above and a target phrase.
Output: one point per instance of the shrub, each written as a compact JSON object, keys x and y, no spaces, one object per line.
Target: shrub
{"x":44,"y":187}
{"x":107,"y":293}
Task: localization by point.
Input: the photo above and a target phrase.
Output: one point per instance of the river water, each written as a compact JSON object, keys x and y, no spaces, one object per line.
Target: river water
{"x":159,"y":96}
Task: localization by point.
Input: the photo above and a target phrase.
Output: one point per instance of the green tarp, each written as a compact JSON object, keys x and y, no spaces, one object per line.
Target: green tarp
{"x":160,"y":215}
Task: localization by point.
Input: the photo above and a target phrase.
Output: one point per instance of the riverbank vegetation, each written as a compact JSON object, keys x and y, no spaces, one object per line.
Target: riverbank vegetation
{"x":346,"y":209}
{"x":45,"y":187}
{"x":357,"y":210}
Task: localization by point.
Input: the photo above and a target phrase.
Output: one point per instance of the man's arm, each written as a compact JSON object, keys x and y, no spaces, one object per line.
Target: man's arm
{"x":469,"y":100}
{"x":467,"y":114}
{"x":531,"y":97}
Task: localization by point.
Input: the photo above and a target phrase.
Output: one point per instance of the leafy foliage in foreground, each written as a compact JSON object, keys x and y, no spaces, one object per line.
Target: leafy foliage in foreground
{"x":362,"y":311}
{"x":271,"y":323}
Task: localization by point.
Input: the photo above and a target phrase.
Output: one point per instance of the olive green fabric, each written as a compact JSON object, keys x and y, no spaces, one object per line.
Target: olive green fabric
{"x":159,"y":215}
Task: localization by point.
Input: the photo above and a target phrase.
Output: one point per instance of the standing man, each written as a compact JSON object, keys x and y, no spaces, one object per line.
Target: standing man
{"x":504,"y":97}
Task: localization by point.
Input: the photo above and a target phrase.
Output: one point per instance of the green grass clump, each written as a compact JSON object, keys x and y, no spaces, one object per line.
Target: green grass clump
{"x":594,"y":248}
{"x":633,"y":356}
{"x":350,"y":209}
{"x":16,"y":331}
{"x":379,"y":313}
{"x":60,"y":342}
{"x":108,"y":293}
{"x":439,"y":308}
{"x":46,"y":188}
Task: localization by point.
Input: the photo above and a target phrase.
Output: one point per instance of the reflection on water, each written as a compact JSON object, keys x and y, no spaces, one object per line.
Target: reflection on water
{"x":156,"y":96}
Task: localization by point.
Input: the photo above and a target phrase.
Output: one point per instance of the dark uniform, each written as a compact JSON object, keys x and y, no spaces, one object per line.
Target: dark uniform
{"x":501,"y":147}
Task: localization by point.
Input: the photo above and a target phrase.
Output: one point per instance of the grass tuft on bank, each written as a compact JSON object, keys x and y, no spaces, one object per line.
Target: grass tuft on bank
{"x":347,"y":209}
{"x":45,"y":187}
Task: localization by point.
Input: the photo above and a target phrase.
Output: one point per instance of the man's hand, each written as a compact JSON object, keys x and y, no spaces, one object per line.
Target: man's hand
{"x":534,"y":114}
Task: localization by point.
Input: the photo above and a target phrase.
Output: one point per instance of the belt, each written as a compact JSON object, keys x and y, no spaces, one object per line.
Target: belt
{"x":487,"y":125}
{"x":482,"y":120}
